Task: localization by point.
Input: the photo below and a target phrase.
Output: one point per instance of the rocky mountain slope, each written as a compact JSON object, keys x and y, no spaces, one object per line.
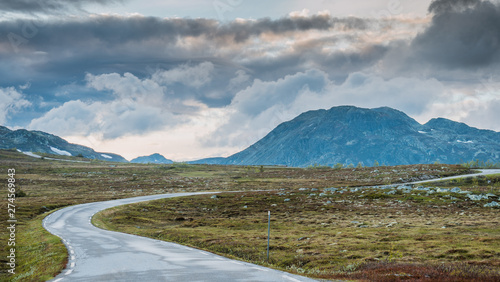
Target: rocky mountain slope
{"x":351,"y":135}
{"x":38,"y":141}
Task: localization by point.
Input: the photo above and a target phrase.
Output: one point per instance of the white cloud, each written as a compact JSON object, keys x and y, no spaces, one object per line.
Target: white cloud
{"x":194,"y":76}
{"x":128,"y":86}
{"x":73,"y":117}
{"x":410,"y":95}
{"x":263,"y":94}
{"x":138,"y":106}
{"x":478,"y":108}
{"x":11,"y":101}
{"x":241,"y":78}
{"x":25,"y":86}
{"x":109,"y":120}
{"x":179,"y":143}
{"x":257,"y":110}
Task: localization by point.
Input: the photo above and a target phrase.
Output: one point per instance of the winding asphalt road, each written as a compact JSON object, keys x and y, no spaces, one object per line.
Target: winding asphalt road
{"x":101,"y":255}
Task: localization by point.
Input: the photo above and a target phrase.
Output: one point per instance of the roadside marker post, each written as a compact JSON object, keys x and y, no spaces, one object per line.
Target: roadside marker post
{"x":268,"y":232}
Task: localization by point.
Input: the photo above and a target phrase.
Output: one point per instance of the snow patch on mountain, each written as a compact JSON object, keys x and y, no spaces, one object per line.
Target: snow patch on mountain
{"x":30,"y":154}
{"x":60,"y":152}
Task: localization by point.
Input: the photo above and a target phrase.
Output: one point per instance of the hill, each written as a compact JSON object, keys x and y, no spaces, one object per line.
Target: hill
{"x":352,"y":135}
{"x":152,"y":159}
{"x":38,"y":141}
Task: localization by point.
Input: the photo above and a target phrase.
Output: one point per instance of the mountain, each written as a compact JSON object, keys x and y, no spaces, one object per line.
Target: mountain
{"x":152,"y":159}
{"x":38,"y":141}
{"x":351,"y":135}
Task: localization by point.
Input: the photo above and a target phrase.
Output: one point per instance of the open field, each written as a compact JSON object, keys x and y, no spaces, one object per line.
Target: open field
{"x":45,"y":185}
{"x":328,"y":234}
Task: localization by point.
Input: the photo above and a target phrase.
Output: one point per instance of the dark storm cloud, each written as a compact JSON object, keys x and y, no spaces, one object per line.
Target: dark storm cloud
{"x":240,"y":32}
{"x":64,"y":50}
{"x":462,"y":34}
{"x":67,"y":49}
{"x":47,"y":6}
{"x":121,"y":30}
{"x":444,"y":6}
{"x":108,"y":31}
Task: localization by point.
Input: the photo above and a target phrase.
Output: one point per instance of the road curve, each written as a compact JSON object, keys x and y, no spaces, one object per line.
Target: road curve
{"x":483,"y":172}
{"x":101,"y":255}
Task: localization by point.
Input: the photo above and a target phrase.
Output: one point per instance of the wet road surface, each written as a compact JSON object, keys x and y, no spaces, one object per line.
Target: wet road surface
{"x":101,"y":255}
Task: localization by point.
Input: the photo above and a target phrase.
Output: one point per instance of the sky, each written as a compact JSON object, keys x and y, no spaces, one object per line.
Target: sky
{"x":206,"y":78}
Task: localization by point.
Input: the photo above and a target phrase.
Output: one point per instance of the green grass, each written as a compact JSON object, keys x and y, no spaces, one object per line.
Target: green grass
{"x":41,"y":255}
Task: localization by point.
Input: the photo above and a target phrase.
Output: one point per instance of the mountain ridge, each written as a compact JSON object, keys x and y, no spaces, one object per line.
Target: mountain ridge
{"x":352,"y":135}
{"x":39,"y":141}
{"x":344,"y":134}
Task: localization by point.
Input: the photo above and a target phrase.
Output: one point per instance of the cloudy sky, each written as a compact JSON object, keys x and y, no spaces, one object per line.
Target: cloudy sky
{"x":204,"y":78}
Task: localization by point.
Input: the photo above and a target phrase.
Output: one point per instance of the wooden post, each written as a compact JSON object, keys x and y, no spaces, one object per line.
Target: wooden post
{"x":268,"y":232}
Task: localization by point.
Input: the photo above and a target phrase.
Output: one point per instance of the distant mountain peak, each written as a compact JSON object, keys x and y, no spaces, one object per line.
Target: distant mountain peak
{"x":348,"y":134}
{"x":152,"y":159}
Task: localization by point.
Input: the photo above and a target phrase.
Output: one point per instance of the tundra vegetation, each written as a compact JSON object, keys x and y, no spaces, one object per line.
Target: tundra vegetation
{"x":343,"y":233}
